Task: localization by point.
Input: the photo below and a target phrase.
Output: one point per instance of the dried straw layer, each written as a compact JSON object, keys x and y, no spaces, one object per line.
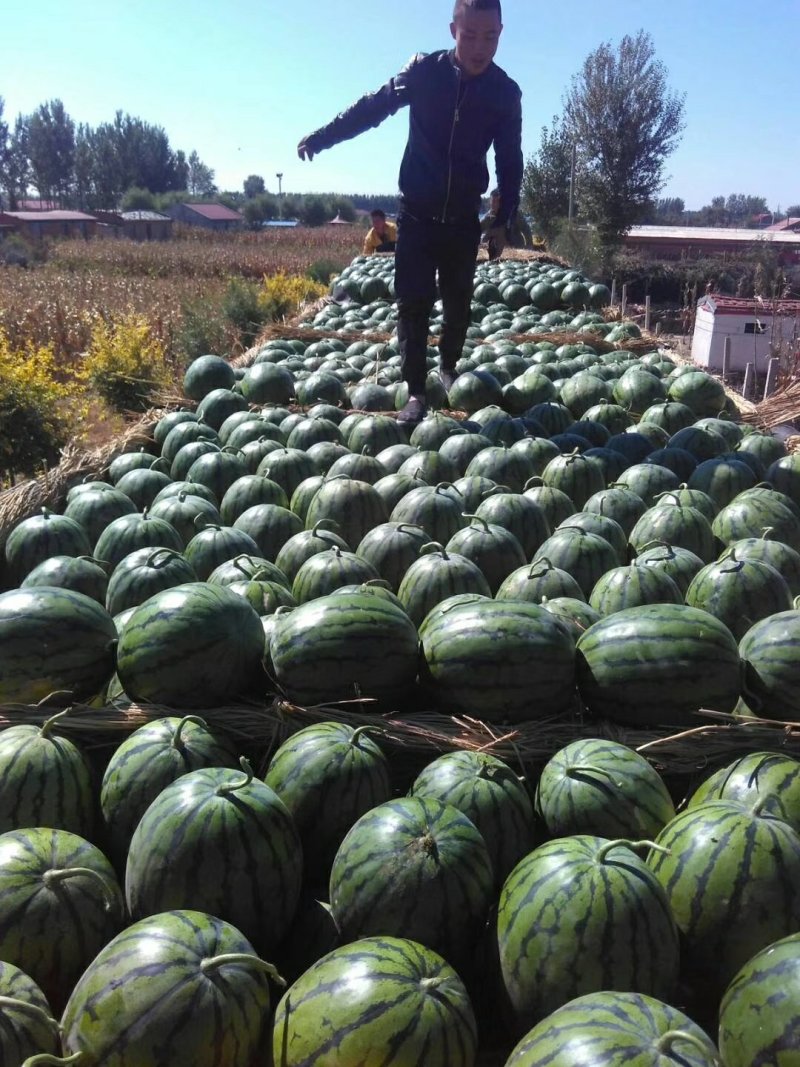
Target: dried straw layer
{"x":415,"y":738}
{"x":782,"y":407}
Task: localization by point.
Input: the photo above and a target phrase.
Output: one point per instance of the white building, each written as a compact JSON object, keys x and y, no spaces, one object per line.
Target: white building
{"x":757,"y":330}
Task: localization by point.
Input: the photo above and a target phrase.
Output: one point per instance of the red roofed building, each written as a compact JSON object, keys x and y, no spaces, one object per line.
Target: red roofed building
{"x":210,"y":216}
{"x":49,"y":223}
{"x":787,"y":226}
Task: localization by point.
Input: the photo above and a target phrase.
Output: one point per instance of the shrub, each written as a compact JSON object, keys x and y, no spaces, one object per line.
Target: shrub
{"x":15,"y":251}
{"x":38,"y":412}
{"x":322,"y":270}
{"x":283,"y":294}
{"x":244,"y":309}
{"x":125,"y":364}
{"x":202,"y":329}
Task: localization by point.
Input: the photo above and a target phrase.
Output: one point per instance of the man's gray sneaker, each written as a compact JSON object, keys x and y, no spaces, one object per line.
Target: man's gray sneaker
{"x":413,"y":413}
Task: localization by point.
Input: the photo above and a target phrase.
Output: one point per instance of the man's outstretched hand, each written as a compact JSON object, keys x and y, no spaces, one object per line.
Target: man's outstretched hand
{"x":304,"y":151}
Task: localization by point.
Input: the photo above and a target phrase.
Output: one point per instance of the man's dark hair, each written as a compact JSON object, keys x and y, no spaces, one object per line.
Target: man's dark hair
{"x":477,"y":5}
{"x":378,"y":213}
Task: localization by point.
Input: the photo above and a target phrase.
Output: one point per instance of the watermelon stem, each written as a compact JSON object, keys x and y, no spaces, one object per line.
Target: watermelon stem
{"x":47,"y":725}
{"x":176,"y":740}
{"x":672,"y":1037}
{"x":603,"y":851}
{"x":14,"y":1004}
{"x":578,"y":769}
{"x":366,"y":730}
{"x":61,"y":874}
{"x":233,"y":787}
{"x":211,"y":963}
{"x":45,"y":1058}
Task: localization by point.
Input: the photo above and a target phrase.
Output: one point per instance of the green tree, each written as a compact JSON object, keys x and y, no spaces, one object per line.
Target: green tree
{"x":51,"y":150}
{"x":314,"y":211}
{"x":545,"y":183}
{"x":16,"y":175}
{"x":793,"y":211}
{"x":253,"y":186}
{"x":290,"y":206}
{"x":343,"y":207}
{"x":4,"y":144}
{"x":201,"y":177}
{"x":137,"y":199}
{"x":625,"y":122}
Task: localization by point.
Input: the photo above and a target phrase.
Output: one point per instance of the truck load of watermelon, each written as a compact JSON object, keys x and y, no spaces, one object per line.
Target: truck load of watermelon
{"x":491,"y":614}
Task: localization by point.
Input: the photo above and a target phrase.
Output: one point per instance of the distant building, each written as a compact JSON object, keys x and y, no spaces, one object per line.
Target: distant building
{"x":693,"y":242}
{"x":137,"y":225}
{"x":788,"y":225}
{"x":36,"y":204}
{"x":209,"y":216}
{"x":753,"y":326}
{"x":38,"y":224}
{"x":339,"y":221}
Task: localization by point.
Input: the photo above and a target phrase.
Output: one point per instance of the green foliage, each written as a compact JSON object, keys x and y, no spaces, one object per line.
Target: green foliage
{"x":253,"y":186}
{"x":260,"y":209}
{"x":578,"y":245}
{"x":200,"y":177}
{"x":625,"y":123}
{"x":314,"y":211}
{"x":136,"y":199}
{"x":322,"y":270}
{"x":202,"y":329}
{"x":681,"y":281}
{"x":343,"y":207}
{"x":36,"y":409}
{"x":545,"y":183}
{"x":245,"y":311}
{"x":15,"y":251}
{"x":125,"y":363}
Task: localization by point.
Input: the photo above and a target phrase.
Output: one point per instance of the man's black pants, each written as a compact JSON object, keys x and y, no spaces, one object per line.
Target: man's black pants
{"x":425,"y":249}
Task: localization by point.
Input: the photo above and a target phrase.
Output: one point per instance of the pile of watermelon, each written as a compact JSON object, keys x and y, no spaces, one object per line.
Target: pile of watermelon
{"x":599,"y":539}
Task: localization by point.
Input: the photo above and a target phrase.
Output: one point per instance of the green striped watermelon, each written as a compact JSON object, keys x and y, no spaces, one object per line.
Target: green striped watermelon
{"x":739,"y":592}
{"x":753,"y":776}
{"x":586,"y":556}
{"x":182,"y":987}
{"x":53,"y":641}
{"x":574,"y":614}
{"x":94,"y":509}
{"x":533,"y":677}
{"x":328,"y":776}
{"x":391,"y":548}
{"x":435,"y":576}
{"x":491,"y":795}
{"x":59,"y":904}
{"x":539,"y":581}
{"x":658,"y":664}
{"x":47,"y":780}
{"x":758,"y":1013}
{"x":144,"y":572}
{"x":632,"y":586}
{"x":728,"y":869}
{"x":354,"y":507}
{"x":324,"y":572}
{"x":769,"y":652}
{"x":37,"y":538}
{"x":609,"y":1029}
{"x":218,"y":840}
{"x":195,"y":645}
{"x":519,"y":515}
{"x":784,"y":559}
{"x":603,"y":892}
{"x":382,"y":1000}
{"x":186,"y":512}
{"x":594,"y":786}
{"x":129,"y":532}
{"x":304,"y":545}
{"x":680,"y":564}
{"x":27,"y":1026}
{"x":147,"y":762}
{"x":494,"y":550}
{"x":342,"y":646}
{"x":437,"y":509}
{"x":79,"y":573}
{"x":413,"y":867}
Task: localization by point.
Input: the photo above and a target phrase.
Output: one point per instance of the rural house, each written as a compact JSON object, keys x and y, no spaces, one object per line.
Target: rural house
{"x":137,"y":225}
{"x":37,"y":224}
{"x":757,"y":330}
{"x":209,"y":216}
{"x":692,"y":242}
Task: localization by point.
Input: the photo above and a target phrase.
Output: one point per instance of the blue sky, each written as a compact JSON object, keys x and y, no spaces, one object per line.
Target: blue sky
{"x":244,"y":81}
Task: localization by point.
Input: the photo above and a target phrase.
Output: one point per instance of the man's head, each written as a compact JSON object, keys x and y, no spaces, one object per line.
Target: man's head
{"x":476,"y":29}
{"x":378,"y":220}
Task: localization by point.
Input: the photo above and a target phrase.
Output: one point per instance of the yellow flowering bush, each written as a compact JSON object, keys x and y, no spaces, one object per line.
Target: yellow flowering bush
{"x":126,"y":363}
{"x":39,"y":409}
{"x":283,"y":294}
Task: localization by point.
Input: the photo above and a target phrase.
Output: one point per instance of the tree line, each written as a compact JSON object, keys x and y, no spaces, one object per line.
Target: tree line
{"x":90,"y":168}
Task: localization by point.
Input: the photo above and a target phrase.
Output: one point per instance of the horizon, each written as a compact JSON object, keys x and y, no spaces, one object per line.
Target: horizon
{"x":267,"y":82}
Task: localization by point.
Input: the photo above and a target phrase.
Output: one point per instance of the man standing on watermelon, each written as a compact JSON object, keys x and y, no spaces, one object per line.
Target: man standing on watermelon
{"x":461,"y":104}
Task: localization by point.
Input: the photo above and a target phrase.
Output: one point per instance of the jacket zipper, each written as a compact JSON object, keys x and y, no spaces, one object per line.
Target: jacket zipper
{"x":450,"y":146}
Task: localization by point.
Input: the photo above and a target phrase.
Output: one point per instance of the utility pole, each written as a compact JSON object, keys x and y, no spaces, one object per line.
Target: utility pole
{"x":280,"y":188}
{"x":572,"y":182}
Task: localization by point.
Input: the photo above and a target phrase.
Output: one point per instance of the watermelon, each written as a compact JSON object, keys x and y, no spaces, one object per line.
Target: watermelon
{"x":391,"y":548}
{"x":324,"y":572}
{"x":352,"y":506}
{"x":205,"y":374}
{"x":539,"y":581}
{"x":574,"y":614}
{"x":53,"y":641}
{"x":491,"y":795}
{"x":27,"y":1026}
{"x":739,"y":592}
{"x":303,"y":545}
{"x":218,"y":840}
{"x":632,"y":586}
{"x":610,"y":1028}
{"x":627,"y":940}
{"x":533,"y":678}
{"x":37,"y":538}
{"x":772,"y":666}
{"x":328,"y":776}
{"x":657,"y":665}
{"x":147,"y":762}
{"x":435,"y":576}
{"x":725,"y":867}
{"x":144,"y":572}
{"x":680,"y":564}
{"x":753,"y":776}
{"x":342,"y":646}
{"x":195,"y":645}
{"x":519,"y":515}
{"x":494,"y":550}
{"x":593,"y":786}
{"x":47,"y":780}
{"x":54,"y":880}
{"x":758,"y":1013}
{"x":385,"y":1000}
{"x":79,"y":573}
{"x":437,"y":509}
{"x":179,"y":987}
{"x":584,"y":555}
{"x":413,"y":867}
{"x":130,"y":532}
{"x":94,"y":509}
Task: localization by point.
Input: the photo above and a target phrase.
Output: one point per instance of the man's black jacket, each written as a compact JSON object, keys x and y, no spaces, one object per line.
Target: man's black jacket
{"x":454,"y":121}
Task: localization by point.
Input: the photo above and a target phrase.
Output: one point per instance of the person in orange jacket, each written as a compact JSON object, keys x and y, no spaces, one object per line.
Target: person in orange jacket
{"x":383,"y":235}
